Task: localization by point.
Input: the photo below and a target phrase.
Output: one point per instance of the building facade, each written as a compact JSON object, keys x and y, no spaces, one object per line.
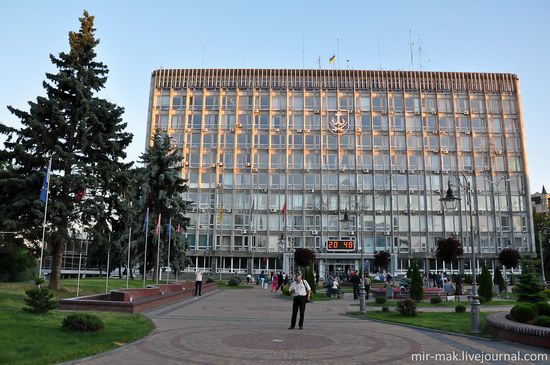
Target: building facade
{"x":540,"y":202}
{"x":274,"y":158}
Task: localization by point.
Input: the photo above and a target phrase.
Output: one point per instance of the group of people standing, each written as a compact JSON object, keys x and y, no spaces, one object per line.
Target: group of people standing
{"x":333,"y":284}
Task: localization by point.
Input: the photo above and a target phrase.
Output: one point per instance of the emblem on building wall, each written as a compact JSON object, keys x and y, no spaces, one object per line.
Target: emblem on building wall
{"x":337,"y":124}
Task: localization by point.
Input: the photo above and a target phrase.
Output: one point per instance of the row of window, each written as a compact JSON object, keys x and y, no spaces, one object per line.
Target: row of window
{"x":315,"y":122}
{"x":295,"y":100}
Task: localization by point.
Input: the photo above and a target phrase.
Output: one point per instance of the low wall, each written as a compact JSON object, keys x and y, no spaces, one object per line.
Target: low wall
{"x":502,"y":327}
{"x":135,"y":300}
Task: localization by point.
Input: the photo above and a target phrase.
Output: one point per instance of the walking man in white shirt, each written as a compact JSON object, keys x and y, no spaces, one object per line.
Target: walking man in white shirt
{"x":300,"y":289}
{"x":198,"y":282}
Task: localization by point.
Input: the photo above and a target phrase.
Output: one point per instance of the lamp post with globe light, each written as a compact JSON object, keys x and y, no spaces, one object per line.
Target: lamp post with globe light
{"x":451,"y":203}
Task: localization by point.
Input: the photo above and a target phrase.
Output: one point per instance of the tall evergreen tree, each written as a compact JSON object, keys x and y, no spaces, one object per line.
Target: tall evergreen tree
{"x":485,"y":283}
{"x":499,"y":280}
{"x":417,"y":287}
{"x":529,"y":287}
{"x":161,"y":189}
{"x":83,"y":134}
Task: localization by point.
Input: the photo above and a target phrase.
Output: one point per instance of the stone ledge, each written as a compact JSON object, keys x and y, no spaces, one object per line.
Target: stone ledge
{"x":502,"y":327}
{"x":134,"y":300}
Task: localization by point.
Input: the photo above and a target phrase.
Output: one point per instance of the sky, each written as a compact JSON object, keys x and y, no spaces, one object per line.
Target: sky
{"x":137,"y":37}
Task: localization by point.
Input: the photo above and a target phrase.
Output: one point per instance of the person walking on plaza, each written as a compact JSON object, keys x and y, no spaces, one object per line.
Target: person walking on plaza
{"x":356,"y":282}
{"x":329,"y":282}
{"x":301,"y":290}
{"x":198,"y":283}
{"x":367,"y":284}
{"x":274,"y":283}
{"x":280,"y":280}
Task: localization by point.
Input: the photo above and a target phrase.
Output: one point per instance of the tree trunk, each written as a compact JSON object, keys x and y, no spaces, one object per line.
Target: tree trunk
{"x":55,"y":276}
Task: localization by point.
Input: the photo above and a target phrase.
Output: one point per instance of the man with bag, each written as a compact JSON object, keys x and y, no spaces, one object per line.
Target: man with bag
{"x":301,"y":291}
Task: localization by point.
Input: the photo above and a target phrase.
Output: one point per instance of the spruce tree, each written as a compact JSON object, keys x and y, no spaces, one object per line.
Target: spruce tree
{"x":529,"y":287}
{"x":499,"y":280}
{"x":161,"y":190}
{"x":85,"y":138}
{"x":485,"y":283}
{"x":417,"y":290}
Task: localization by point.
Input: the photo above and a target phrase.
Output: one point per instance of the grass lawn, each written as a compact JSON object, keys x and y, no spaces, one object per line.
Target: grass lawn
{"x":39,"y":339}
{"x":393,"y":303}
{"x":90,"y":286}
{"x":450,"y":322}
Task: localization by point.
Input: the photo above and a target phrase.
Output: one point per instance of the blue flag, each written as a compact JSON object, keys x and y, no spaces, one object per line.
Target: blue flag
{"x":44,"y":191}
{"x":169,"y":230}
{"x":145,"y":221}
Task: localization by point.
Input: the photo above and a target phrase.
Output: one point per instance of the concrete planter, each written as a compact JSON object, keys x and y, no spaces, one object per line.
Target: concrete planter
{"x":502,"y":327}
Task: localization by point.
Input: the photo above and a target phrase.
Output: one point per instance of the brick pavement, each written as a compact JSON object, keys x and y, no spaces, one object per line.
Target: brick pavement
{"x":250,"y":327}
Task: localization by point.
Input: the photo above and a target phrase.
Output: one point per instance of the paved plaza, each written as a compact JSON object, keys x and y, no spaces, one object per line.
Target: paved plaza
{"x":250,"y":327}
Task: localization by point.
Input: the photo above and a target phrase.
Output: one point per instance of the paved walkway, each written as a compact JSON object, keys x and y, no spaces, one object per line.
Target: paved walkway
{"x":250,"y":327}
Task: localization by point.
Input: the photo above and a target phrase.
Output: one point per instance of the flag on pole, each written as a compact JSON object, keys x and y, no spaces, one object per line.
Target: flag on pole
{"x":178,"y":229}
{"x":80,"y":195}
{"x":332,"y":59}
{"x":169,"y":230}
{"x":145,"y":220}
{"x":251,"y":212}
{"x":221,"y":214}
{"x":284,"y":212}
{"x":158,"y":226}
{"x":45,"y":184}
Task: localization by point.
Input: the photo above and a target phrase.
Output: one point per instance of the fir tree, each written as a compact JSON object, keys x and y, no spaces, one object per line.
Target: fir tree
{"x":499,"y":280}
{"x":161,"y":189}
{"x":83,"y":134}
{"x":529,"y":287}
{"x":485,"y":283}
{"x":417,"y":290}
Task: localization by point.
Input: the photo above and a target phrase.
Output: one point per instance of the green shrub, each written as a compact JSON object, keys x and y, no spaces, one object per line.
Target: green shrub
{"x":547,"y":293}
{"x":380,"y":300}
{"x":481,"y":299}
{"x":499,"y":280}
{"x":460,"y":308}
{"x":82,"y":322}
{"x":407,"y":307}
{"x":542,"y":321}
{"x":286,"y":290}
{"x":210,"y":279}
{"x":467,"y":279}
{"x":385,"y":309}
{"x":233,"y":282}
{"x":436,"y":300}
{"x":523,"y":313}
{"x":543,"y":309}
{"x":529,"y":286}
{"x":40,"y":300}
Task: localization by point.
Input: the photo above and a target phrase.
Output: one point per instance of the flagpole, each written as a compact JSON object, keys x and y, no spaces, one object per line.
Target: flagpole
{"x":108,"y":262}
{"x":168,"y":256}
{"x":45,"y":216}
{"x":145,"y":256}
{"x":128,"y":264}
{"x":158,"y":252}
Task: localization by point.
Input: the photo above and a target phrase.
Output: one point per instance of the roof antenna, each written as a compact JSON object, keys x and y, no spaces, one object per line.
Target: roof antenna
{"x":420,"y":54}
{"x":411,"y":44}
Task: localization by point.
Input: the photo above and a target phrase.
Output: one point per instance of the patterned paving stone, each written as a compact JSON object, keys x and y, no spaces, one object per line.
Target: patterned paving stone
{"x":250,"y":327}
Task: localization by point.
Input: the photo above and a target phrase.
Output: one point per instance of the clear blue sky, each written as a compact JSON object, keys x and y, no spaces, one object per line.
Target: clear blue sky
{"x":138,"y":37}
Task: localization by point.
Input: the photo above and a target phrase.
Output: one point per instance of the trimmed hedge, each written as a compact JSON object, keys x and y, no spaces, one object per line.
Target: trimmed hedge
{"x":82,"y":322}
{"x":542,"y":321}
{"x":407,"y":307}
{"x":436,"y":300}
{"x":385,"y":309}
{"x":380,"y":300}
{"x":523,"y":313}
{"x":233,"y":282}
{"x":460,"y":308}
{"x":543,"y":309}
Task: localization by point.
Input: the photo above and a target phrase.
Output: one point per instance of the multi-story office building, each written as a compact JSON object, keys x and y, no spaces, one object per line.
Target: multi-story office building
{"x":275,"y":158}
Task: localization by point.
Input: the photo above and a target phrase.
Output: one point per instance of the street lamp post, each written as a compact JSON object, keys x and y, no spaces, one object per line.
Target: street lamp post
{"x":451,"y":203}
{"x":544,"y":230}
{"x":362,"y":304}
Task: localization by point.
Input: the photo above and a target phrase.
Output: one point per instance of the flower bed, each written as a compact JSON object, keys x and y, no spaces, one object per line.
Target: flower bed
{"x":501,"y":326}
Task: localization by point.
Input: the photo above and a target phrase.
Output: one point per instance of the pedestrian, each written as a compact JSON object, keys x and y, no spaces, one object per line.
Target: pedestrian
{"x":262,"y":279}
{"x":328,"y":284}
{"x":280,"y":280}
{"x":317,"y":278}
{"x":301,"y":290}
{"x":367,"y":284}
{"x":248,"y":278}
{"x":274,"y":283}
{"x":356,"y":282}
{"x":198,"y":283}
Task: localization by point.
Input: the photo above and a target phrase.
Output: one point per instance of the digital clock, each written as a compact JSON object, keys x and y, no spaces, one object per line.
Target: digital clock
{"x":341,"y":245}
